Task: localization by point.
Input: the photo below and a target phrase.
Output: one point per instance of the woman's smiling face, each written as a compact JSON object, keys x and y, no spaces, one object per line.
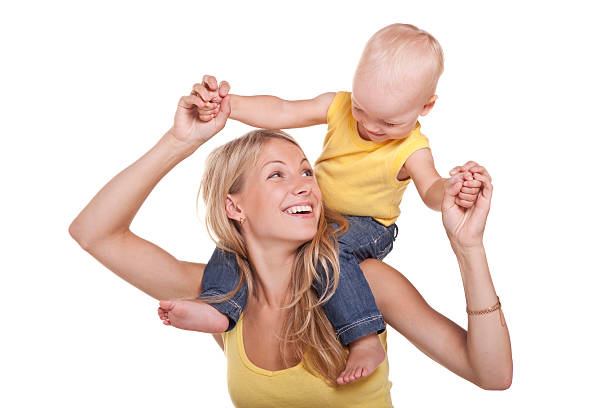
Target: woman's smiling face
{"x":281,"y":200}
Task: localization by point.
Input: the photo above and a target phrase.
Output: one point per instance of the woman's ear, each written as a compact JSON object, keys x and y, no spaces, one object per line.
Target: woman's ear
{"x":233,"y":210}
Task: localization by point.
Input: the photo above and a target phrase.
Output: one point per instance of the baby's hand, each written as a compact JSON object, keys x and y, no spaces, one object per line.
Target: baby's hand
{"x":211,"y":94}
{"x":471,"y":187}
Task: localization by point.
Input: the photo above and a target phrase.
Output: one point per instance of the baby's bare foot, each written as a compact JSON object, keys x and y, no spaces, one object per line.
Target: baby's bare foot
{"x":192,"y":315}
{"x":365,"y":355}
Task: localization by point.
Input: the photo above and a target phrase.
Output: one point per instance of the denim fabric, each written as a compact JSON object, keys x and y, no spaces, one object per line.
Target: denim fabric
{"x":221,"y":277}
{"x":352,"y":310}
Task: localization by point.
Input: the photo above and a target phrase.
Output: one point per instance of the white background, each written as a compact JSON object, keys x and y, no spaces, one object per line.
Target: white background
{"x":87,"y":88}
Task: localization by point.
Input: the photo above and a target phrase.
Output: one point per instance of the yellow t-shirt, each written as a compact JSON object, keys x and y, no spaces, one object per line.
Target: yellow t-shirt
{"x":254,"y":387}
{"x":357,"y":176}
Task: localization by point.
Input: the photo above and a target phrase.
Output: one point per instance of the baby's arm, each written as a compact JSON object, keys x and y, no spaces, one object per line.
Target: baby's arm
{"x":430,"y":185}
{"x":271,"y":112}
{"x":267,"y":111}
{"x":427,"y":180}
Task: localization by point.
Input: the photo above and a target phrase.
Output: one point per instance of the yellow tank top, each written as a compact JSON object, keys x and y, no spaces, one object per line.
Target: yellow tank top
{"x":357,"y":176}
{"x":295,"y":387}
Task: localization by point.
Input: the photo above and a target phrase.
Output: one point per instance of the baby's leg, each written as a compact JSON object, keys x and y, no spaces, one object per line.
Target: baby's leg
{"x":220,"y":277}
{"x":192,"y":315}
{"x":353,"y":312}
{"x":352,"y":309}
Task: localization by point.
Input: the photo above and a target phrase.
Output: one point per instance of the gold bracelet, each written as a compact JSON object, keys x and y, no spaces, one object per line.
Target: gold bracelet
{"x":496,"y":306}
{"x":484,"y":311}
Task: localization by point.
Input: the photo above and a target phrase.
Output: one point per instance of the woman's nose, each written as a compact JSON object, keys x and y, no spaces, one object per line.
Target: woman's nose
{"x":302,"y":187}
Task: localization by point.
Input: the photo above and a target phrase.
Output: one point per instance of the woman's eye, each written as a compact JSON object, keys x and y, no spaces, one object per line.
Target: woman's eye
{"x":276,"y":174}
{"x":307,"y":172}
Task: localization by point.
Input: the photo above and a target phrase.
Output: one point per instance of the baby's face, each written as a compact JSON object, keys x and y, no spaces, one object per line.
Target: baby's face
{"x":382,"y":115}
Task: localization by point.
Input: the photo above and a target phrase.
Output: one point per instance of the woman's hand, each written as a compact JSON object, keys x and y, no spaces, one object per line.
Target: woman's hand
{"x":189,"y":127}
{"x":465,"y":227}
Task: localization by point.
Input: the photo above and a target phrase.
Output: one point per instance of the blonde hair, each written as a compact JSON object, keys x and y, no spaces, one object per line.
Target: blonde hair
{"x":398,"y":46}
{"x":307,"y":334}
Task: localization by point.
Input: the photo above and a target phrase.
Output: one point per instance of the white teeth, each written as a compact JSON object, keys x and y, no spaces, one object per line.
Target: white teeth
{"x":298,"y":208}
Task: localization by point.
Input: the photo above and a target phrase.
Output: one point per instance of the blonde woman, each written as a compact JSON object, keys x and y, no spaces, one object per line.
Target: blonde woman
{"x":283,"y":347}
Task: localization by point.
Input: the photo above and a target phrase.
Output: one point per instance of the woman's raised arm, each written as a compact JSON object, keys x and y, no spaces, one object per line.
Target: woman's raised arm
{"x":482,"y":354}
{"x":102,"y":228}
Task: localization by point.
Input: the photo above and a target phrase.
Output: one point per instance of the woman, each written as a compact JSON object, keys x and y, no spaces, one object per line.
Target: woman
{"x":282,"y":337}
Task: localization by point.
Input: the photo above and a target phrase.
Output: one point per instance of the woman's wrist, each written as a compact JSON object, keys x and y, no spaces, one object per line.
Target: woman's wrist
{"x":463,"y":250}
{"x":468,"y":256}
{"x":476,"y":276}
{"x":177,"y":147}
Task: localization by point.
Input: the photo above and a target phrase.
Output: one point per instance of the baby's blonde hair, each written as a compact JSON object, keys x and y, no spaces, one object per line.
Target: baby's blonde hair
{"x":306,"y":327}
{"x":396,"y":48}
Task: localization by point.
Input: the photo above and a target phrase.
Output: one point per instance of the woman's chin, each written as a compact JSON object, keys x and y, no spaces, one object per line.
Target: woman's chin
{"x":305,"y":239}
{"x":302,"y":237}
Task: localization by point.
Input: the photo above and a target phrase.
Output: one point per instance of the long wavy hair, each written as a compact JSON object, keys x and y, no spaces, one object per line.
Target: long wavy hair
{"x":306,"y":334}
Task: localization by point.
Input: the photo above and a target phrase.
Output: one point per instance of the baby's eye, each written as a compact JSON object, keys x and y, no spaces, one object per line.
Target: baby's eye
{"x":307,"y":172}
{"x":389,"y":124}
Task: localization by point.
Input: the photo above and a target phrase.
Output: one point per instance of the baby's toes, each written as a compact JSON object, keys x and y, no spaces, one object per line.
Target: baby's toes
{"x":342,"y":376}
{"x":364,"y":372}
{"x":166,"y":305}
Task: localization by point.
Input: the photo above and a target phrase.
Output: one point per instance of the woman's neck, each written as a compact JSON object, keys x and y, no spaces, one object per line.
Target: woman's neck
{"x":272,"y":264}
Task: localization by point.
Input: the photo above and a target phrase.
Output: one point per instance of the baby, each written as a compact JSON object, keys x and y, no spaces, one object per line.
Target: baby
{"x":373,"y":149}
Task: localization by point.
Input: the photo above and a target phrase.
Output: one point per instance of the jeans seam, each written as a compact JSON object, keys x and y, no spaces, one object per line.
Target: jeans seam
{"x":381,"y":232}
{"x":358,"y":322}
{"x":236,"y":305}
{"x":381,"y":255}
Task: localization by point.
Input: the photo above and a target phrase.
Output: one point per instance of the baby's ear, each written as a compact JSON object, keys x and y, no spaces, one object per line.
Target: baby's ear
{"x":429,"y":105}
{"x":232,"y":210}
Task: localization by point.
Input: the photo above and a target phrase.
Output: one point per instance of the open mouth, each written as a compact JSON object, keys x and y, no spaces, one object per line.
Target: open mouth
{"x":299,"y":210}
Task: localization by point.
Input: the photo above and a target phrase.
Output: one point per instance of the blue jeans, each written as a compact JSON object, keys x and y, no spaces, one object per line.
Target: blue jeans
{"x":352,"y":310}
